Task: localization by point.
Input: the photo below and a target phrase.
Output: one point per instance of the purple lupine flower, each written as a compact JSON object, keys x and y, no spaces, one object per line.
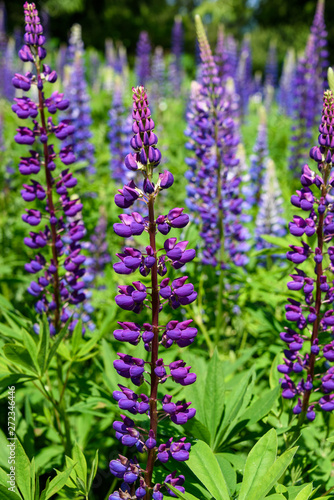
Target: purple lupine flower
{"x":79,"y":111}
{"x":151,"y":262}
{"x":269,"y":220}
{"x":255,"y":176}
{"x":59,"y":284}
{"x":309,"y":372}
{"x":120,"y":129}
{"x":175,"y":68}
{"x":143,"y":59}
{"x":213,"y":189}
{"x":285,"y":91}
{"x":244,"y":79}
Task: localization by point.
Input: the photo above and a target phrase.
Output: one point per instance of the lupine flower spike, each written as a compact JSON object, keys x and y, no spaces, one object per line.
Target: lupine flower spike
{"x":153,"y":262}
{"x":143,"y":59}
{"x":214,"y":183}
{"x":308,"y":376}
{"x":58,"y":286}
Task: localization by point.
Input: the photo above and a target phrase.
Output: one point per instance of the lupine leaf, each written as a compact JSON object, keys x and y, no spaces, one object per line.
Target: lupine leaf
{"x":44,"y":346}
{"x":58,"y":339}
{"x":58,"y":482}
{"x":77,"y":337}
{"x":204,"y":465}
{"x":215,"y":387}
{"x":93,"y":470}
{"x":22,"y":471}
{"x":229,"y":473}
{"x":81,"y":464}
{"x":305,"y":493}
{"x":273,"y":475}
{"x":31,"y":347}
{"x":261,"y":407}
{"x":260,"y":459}
{"x":183,"y":496}
{"x":6,"y":494}
{"x":276,"y":496}
{"x":17,"y":354}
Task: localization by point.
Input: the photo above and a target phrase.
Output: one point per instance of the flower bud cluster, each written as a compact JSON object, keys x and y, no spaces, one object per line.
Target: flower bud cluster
{"x":58,"y":283}
{"x":309,"y":353}
{"x":150,"y":262}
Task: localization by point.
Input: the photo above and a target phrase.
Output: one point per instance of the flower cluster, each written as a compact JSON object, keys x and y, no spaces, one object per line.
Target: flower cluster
{"x":213,"y":181}
{"x":59,"y":283}
{"x":152,"y":262}
{"x":310,"y":348}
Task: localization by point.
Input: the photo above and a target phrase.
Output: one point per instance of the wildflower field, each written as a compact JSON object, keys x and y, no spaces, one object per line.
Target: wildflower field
{"x":166,"y":264}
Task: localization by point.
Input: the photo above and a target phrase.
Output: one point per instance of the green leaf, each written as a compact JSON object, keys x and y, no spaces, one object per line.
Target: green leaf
{"x":202,"y":462}
{"x":44,"y":346}
{"x":81,"y":464}
{"x":93,"y":470}
{"x":229,"y":473}
{"x":273,"y":475}
{"x":183,"y":496}
{"x":233,"y":405}
{"x":6,"y":494}
{"x":58,"y":482}
{"x":261,"y":407}
{"x":276,"y":496}
{"x":215,"y":388}
{"x":31,"y":347}
{"x":76,"y":337}
{"x":89,"y":345}
{"x":198,"y":430}
{"x":23,"y":471}
{"x":330,"y":78}
{"x":260,"y":459}
{"x":59,"y":337}
{"x":18,"y":355}
{"x":274,"y":375}
{"x":305,"y":493}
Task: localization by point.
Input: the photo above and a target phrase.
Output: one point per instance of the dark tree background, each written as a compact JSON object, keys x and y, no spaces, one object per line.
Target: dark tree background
{"x":286,"y":21}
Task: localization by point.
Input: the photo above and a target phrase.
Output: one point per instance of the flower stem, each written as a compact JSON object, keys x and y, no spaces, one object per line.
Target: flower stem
{"x":49,"y":183}
{"x":155,"y":347}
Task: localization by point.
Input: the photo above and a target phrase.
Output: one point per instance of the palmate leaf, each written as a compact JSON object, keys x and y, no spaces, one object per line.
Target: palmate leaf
{"x":259,"y":461}
{"x":262,"y":469}
{"x":202,"y":462}
{"x":183,"y":496}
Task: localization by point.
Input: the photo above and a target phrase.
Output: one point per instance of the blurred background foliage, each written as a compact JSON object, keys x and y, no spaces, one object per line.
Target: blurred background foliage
{"x":285,"y":21}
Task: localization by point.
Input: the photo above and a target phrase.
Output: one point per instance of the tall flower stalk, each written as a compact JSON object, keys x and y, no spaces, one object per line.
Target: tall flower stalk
{"x":310,"y":348}
{"x":137,"y":482}
{"x":213,"y":178}
{"x":58,"y":286}
{"x":143,"y":58}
